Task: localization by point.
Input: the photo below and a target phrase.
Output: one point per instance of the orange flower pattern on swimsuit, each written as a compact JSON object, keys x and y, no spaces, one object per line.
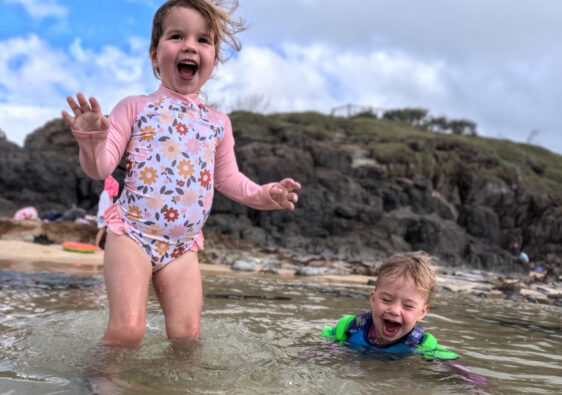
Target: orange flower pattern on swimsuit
{"x":169,"y":176}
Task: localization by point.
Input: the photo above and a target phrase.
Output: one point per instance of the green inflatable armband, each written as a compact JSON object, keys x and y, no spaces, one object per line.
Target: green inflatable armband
{"x":338,"y":332}
{"x":430,"y":349}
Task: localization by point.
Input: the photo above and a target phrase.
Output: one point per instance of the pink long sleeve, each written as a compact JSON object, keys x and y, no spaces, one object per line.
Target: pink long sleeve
{"x":101,"y":151}
{"x":232,"y":183}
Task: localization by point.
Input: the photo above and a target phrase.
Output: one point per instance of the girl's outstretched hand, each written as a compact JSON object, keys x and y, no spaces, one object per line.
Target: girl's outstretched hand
{"x":87,"y":115}
{"x":282,"y":193}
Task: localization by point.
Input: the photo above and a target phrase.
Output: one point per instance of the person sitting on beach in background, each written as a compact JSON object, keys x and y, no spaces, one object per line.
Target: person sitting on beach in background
{"x":178,"y":151}
{"x":110,"y":190}
{"x":403,"y":291}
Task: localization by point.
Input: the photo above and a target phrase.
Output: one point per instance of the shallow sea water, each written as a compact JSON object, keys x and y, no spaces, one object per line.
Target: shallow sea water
{"x":261,"y":336}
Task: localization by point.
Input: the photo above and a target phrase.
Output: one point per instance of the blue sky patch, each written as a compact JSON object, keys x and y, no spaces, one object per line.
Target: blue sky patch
{"x":15,"y":63}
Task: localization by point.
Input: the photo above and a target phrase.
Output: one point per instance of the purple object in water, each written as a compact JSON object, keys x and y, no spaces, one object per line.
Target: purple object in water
{"x":467,"y":374}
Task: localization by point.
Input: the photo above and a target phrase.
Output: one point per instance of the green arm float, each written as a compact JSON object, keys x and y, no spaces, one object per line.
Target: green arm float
{"x":430,"y":349}
{"x":338,"y":332}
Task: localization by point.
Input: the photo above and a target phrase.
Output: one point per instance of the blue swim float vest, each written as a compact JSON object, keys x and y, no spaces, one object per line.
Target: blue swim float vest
{"x":354,"y":330}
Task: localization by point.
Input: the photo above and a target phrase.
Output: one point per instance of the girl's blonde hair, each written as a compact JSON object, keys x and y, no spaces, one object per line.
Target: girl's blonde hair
{"x":215,"y":13}
{"x":414,"y":264}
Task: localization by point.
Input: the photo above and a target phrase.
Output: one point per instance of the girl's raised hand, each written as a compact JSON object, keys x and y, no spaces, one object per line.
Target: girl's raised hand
{"x":282,"y":193}
{"x":87,"y":115}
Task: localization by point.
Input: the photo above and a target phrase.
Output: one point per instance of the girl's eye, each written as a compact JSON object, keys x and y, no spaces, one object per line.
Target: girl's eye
{"x":386,"y":300}
{"x":408,"y":307}
{"x":175,"y":37}
{"x":204,"y":40}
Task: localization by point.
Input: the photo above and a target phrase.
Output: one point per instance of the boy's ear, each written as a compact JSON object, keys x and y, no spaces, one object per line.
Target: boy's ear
{"x":372,"y":300}
{"x":425,"y":310}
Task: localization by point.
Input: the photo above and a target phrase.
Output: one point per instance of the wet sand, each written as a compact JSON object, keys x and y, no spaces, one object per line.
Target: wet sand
{"x":32,"y":257}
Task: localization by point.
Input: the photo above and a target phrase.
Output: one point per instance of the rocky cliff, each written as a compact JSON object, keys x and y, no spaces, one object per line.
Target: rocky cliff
{"x":370,"y":188}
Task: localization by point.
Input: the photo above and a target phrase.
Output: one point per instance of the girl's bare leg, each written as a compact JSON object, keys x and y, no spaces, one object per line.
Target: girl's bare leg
{"x":127,"y":272}
{"x":180,"y":292}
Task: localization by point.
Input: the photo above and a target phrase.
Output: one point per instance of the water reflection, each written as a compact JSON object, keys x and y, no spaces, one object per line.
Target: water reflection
{"x":261,"y":336}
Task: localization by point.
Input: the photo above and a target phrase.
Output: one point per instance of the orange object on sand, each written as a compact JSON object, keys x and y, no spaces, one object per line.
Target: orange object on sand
{"x":76,"y":246}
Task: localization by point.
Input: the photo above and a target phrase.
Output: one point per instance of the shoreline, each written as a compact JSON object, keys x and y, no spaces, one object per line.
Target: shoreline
{"x":27,"y":256}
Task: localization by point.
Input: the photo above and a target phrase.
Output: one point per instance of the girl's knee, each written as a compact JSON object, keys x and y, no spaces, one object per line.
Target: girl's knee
{"x":126,"y":335}
{"x":191,"y":328}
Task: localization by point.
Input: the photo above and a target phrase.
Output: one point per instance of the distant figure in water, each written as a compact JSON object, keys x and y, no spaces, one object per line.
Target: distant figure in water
{"x":110,"y":190}
{"x":178,"y":150}
{"x":403,"y":291}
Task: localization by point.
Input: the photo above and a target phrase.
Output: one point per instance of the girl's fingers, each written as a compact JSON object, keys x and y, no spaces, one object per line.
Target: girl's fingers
{"x":84,"y":105}
{"x":68,"y":119}
{"x":73,"y":106}
{"x":95,"y":105}
{"x":290,"y":184}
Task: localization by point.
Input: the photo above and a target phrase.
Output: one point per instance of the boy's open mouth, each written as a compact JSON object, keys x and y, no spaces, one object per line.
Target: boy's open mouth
{"x":390,"y":328}
{"x":187,"y":68}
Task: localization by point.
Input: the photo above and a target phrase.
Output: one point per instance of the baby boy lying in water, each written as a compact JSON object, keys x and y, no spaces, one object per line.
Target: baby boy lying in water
{"x":404,"y":288}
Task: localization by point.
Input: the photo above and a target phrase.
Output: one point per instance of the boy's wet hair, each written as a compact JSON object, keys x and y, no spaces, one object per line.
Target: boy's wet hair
{"x":417,"y":265}
{"x":217,"y":15}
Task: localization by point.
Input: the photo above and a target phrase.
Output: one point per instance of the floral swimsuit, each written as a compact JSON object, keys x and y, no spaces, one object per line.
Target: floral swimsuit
{"x":174,"y":150}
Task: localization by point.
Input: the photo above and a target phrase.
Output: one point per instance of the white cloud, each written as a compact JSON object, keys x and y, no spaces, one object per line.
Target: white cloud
{"x":498,"y":68}
{"x":505,"y":101}
{"x":31,"y":71}
{"x":35,"y":79}
{"x":39,"y":9}
{"x":18,"y":121}
{"x":313,"y":78}
{"x":434,"y":28}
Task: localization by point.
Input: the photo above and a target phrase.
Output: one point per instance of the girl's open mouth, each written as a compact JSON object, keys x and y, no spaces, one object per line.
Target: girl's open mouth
{"x":187,"y":69}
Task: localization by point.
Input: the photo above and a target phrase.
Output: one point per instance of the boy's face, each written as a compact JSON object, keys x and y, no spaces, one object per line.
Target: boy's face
{"x":185,"y":55}
{"x":397,"y":304}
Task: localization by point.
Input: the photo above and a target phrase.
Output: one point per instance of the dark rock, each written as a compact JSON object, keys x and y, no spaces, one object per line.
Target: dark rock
{"x":42,"y":239}
{"x":480,"y":221}
{"x":436,"y":193}
{"x":269,"y":270}
{"x":551,"y":276}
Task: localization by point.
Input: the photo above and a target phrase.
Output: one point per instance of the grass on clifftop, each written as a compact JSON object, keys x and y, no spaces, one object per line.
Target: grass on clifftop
{"x":407,"y":150}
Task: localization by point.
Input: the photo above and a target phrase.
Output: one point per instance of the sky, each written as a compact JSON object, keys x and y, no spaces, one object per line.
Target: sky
{"x":496,"y":63}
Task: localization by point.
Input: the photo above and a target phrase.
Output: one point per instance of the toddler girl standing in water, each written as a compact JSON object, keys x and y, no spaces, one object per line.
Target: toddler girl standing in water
{"x":177,"y":150}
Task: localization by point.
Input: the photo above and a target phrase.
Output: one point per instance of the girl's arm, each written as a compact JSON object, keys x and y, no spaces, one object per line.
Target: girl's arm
{"x":102,"y":141}
{"x":236,"y":186}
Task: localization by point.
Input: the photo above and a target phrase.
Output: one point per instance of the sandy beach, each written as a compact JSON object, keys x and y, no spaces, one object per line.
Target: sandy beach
{"x":32,"y":257}
{"x":27,"y":256}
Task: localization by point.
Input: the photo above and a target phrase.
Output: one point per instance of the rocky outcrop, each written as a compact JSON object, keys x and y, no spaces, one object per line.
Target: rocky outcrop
{"x":366,"y":193}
